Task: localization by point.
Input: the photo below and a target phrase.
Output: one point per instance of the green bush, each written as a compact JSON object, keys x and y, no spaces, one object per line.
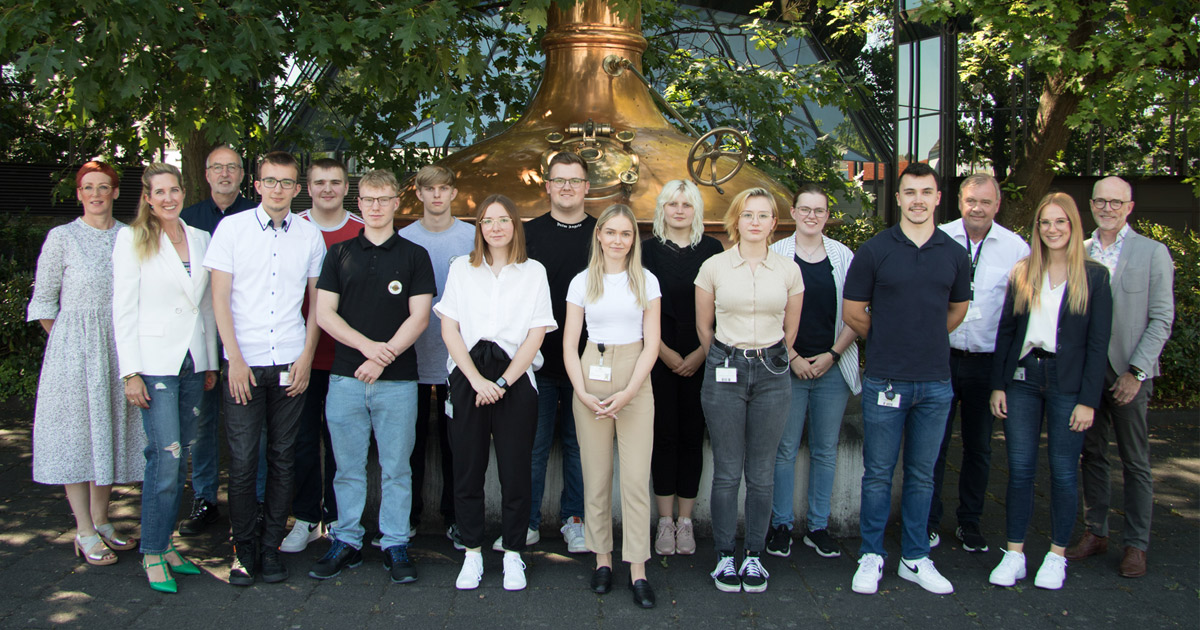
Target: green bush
{"x":854,"y":231}
{"x":1180,"y":359}
{"x":21,"y":343}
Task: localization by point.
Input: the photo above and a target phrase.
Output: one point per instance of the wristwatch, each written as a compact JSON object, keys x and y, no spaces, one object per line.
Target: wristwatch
{"x":1138,"y":373}
{"x":501,"y":383}
{"x":837,"y":356}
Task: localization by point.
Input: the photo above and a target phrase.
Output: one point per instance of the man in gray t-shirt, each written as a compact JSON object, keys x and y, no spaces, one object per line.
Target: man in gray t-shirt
{"x":445,"y":238}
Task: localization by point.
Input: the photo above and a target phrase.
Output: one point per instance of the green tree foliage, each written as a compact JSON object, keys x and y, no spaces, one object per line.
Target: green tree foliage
{"x":1180,"y":359}
{"x":1086,"y":62}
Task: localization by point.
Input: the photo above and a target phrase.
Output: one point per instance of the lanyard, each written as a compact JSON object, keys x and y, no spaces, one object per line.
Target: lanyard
{"x":975,"y":259}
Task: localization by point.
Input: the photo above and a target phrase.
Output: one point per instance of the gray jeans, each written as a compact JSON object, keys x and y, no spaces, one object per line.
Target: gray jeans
{"x":745,"y":423}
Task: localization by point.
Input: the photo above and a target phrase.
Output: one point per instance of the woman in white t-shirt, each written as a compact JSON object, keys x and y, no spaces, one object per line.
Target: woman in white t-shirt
{"x":620,"y":303}
{"x":495,"y":312}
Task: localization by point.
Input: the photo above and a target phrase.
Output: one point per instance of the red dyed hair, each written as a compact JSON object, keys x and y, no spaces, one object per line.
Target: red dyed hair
{"x":97,"y":166}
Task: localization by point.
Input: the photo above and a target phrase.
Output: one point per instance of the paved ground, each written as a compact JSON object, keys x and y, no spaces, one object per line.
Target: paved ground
{"x":42,"y":585}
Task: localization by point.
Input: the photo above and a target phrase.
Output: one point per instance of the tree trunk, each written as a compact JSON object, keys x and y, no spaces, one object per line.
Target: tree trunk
{"x":195,"y":152}
{"x":1033,"y":172}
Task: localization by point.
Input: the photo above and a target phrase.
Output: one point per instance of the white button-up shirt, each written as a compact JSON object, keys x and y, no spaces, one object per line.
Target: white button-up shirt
{"x":993,"y":258}
{"x":500,"y":309}
{"x":270,"y":267}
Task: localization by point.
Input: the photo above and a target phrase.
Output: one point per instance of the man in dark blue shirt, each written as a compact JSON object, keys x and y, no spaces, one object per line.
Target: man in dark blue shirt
{"x":903,"y":284}
{"x":223,"y":170}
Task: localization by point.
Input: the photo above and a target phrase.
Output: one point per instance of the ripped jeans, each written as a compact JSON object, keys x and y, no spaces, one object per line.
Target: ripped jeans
{"x":170,"y":425}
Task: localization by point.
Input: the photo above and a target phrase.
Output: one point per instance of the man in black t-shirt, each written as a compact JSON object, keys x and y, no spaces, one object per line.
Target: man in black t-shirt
{"x":560,"y":240}
{"x":373,"y":297}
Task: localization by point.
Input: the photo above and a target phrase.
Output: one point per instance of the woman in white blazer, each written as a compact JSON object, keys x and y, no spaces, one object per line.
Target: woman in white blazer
{"x":166,"y":339}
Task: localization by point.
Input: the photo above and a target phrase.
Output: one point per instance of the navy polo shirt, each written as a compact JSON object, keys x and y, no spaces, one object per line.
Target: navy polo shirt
{"x":373,"y":283}
{"x":910,"y":290}
{"x":206,"y":215}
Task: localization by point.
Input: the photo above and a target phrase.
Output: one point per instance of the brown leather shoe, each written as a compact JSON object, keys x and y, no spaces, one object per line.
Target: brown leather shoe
{"x":1133,"y":565}
{"x":1089,"y":545}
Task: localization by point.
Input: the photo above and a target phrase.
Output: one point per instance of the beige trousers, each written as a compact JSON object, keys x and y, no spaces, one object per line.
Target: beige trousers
{"x":634,"y":432}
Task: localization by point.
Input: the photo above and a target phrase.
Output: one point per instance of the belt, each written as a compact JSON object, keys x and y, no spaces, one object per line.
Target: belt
{"x":955,"y":352}
{"x":749,"y":353}
{"x":1042,"y":354}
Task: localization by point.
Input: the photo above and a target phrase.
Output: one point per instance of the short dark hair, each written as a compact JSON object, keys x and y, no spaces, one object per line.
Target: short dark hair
{"x":566,"y":157}
{"x":278,"y":158}
{"x":326,"y":163}
{"x":810,"y":189}
{"x":921,"y":169}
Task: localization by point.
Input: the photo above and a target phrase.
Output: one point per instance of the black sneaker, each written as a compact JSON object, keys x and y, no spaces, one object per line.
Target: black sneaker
{"x":455,"y":537}
{"x":273,"y":569}
{"x":934,"y":539}
{"x":779,"y":541}
{"x":972,"y":540}
{"x":339,"y":556}
{"x":396,"y":559}
{"x":753,"y":574}
{"x":823,"y":543}
{"x":203,"y":514}
{"x":725,"y":576}
{"x":245,"y":564}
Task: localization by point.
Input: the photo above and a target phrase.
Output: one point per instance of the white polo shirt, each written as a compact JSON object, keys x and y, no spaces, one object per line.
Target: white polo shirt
{"x":993,"y":258}
{"x":494,"y":308}
{"x":271,"y":267}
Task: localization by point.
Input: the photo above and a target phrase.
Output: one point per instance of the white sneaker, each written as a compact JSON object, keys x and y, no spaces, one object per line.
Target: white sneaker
{"x":302,"y":533}
{"x":471,"y":573}
{"x":514,"y":572}
{"x":1052,"y":573}
{"x":1010,"y":569}
{"x":572,"y":532}
{"x":926,"y":575}
{"x":532,"y":537}
{"x":866,"y":578}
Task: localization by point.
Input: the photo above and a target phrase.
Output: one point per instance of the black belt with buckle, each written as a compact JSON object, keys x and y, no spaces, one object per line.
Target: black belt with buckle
{"x":749,"y":353}
{"x":963,"y":354}
{"x":1042,"y":354}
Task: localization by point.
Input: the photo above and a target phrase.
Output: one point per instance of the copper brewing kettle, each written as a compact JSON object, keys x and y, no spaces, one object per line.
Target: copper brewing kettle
{"x":588,"y":105}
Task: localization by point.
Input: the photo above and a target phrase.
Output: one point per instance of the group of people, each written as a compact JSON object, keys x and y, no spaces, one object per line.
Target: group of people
{"x":334,"y":327}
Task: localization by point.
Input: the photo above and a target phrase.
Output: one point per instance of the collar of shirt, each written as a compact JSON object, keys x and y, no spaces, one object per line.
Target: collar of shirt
{"x":738,"y":261}
{"x":365,"y":243}
{"x":1099,"y":247}
{"x":264,"y":219}
{"x":937,"y":238}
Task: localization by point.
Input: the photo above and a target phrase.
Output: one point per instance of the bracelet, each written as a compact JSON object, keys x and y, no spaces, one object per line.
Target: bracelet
{"x":127,"y":378}
{"x":837,"y":356}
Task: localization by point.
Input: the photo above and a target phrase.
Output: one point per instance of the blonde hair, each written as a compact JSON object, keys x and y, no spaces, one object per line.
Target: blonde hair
{"x":733,"y":214}
{"x":146,"y":228}
{"x":633,"y":260}
{"x":692,"y":194}
{"x":1027,"y":274}
{"x":516,"y":249}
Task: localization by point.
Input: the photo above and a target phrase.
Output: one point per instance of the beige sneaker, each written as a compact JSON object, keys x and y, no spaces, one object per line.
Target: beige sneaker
{"x":685,"y":540}
{"x":664,"y":542}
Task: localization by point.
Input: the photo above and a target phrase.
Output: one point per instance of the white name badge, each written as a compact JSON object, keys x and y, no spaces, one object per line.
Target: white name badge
{"x":449,"y":409}
{"x":1019,"y":375}
{"x":726,"y":375}
{"x":285,"y":379}
{"x":884,"y":401}
{"x":600,"y":373}
{"x":973,"y":313}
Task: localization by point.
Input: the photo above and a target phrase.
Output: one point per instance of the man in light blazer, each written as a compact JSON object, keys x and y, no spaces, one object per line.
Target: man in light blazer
{"x":1143,"y":310}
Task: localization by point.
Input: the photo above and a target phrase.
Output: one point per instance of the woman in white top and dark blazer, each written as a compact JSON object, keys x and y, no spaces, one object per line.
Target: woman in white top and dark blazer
{"x":166,"y":339}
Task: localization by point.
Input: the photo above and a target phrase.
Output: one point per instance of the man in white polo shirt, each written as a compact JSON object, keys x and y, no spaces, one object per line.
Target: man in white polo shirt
{"x":264,"y":263}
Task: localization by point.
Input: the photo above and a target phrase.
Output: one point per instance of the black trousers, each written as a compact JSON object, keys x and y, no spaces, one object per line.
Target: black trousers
{"x":971,"y":378}
{"x":511,"y":424}
{"x":269,"y":406}
{"x":314,"y":501}
{"x":678,"y":456}
{"x":425,"y":418}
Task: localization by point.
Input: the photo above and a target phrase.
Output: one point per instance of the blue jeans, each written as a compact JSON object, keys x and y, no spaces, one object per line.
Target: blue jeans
{"x":554,"y":409}
{"x":920,"y":421}
{"x":745,"y":422}
{"x":1028,"y":401}
{"x":353,"y":409}
{"x":823,"y":400}
{"x":170,"y":425}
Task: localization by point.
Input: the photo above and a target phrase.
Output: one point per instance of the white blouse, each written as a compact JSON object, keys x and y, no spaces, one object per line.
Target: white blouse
{"x":1042,"y":331}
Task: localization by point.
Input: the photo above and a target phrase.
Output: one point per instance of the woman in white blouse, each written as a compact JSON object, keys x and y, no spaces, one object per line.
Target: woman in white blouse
{"x":495,"y":312}
{"x":620,"y":303}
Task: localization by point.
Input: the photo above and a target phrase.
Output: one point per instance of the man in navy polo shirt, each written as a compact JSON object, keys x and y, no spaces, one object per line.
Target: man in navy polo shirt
{"x":374,"y":297}
{"x":903,"y":284}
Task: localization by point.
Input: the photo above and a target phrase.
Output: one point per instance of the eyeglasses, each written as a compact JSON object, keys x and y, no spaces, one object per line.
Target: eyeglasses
{"x":761,"y":217}
{"x":1061,"y":224}
{"x":370,"y":202}
{"x":271,"y":182}
{"x":102,"y":189}
{"x":232,"y":167}
{"x":1113,"y":204}
{"x":502,"y":222}
{"x":816,"y":212}
{"x":560,"y":182}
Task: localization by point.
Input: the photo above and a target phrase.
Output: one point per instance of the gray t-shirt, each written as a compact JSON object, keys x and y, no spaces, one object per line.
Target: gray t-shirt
{"x":443,"y":247}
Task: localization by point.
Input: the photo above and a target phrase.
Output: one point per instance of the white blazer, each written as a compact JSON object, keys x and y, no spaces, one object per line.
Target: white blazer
{"x":160,"y":313}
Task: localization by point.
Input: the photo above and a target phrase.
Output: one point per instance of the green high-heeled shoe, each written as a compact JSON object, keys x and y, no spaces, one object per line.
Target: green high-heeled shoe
{"x":185,"y":566}
{"x":163,"y":586}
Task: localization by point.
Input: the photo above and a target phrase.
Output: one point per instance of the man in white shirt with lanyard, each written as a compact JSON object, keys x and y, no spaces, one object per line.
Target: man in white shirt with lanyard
{"x":992,"y":250}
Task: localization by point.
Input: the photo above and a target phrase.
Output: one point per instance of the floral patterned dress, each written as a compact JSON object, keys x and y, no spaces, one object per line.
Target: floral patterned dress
{"x":83,"y":428}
